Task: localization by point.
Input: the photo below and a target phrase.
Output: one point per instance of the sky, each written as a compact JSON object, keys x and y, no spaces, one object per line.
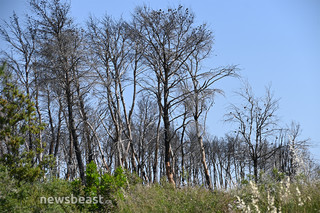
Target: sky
{"x":272,"y":42}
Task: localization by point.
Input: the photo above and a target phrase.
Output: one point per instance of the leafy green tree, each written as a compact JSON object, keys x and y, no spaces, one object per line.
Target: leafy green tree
{"x":17,"y":117}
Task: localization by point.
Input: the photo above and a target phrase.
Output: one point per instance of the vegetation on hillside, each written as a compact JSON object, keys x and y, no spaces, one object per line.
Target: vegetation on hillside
{"x":72,"y":140}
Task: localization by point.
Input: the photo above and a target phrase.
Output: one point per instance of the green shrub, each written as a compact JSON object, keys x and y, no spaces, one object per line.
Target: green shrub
{"x":26,"y":197}
{"x":17,"y":122}
{"x":110,"y":187}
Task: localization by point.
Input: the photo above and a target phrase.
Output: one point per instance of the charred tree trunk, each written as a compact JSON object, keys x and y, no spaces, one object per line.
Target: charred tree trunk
{"x":155,"y":164}
{"x":204,"y":163}
{"x":72,"y":129}
{"x":167,"y":136}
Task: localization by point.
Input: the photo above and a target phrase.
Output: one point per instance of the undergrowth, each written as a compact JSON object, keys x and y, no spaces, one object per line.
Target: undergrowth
{"x":125,"y":193}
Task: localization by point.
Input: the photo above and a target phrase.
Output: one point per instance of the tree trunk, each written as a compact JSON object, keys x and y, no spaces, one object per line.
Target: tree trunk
{"x":166,"y":121}
{"x":167,"y":146}
{"x":72,"y":130}
{"x":255,"y":169}
{"x":85,"y":123}
{"x":155,"y":165}
{"x":204,"y":163}
{"x":200,"y":140}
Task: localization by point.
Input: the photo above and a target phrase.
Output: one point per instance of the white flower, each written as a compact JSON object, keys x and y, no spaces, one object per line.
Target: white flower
{"x":271,"y":207}
{"x":299,"y":197}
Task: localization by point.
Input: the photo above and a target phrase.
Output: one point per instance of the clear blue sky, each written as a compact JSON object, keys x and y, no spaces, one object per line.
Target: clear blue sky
{"x":272,"y":41}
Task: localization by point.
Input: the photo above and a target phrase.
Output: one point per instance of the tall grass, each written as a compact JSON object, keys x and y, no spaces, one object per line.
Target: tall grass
{"x":279,"y":196}
{"x":165,"y":198}
{"x":283,"y":196}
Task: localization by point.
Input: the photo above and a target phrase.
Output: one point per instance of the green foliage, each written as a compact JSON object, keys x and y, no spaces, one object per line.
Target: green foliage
{"x":92,"y":179}
{"x":110,"y":187}
{"x":276,"y":175}
{"x":17,"y":119}
{"x":155,"y":198}
{"x":26,"y":197}
{"x":111,"y":184}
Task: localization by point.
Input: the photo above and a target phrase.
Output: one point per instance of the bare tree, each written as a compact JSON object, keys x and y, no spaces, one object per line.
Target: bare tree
{"x":297,"y":151}
{"x":21,"y":38}
{"x":145,"y":134}
{"x":169,"y":38}
{"x":61,"y":52}
{"x":201,"y":95}
{"x":256,"y":119}
{"x":22,"y":42}
{"x":117,"y":67}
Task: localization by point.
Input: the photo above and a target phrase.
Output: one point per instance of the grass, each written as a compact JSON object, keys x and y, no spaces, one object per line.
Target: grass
{"x":269,"y":196}
{"x":284,"y":196}
{"x":266,"y":198}
{"x":157,"y":198}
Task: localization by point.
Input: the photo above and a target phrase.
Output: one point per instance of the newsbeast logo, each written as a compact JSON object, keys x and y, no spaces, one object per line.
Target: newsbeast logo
{"x":74,"y":200}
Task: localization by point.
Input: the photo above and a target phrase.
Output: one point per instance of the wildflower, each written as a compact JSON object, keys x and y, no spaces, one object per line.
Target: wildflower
{"x":255,"y":205}
{"x":298,"y":191}
{"x":255,"y":195}
{"x":241,"y":203}
{"x":287,"y":184}
{"x":255,"y":191}
{"x":271,"y":207}
{"x":300,"y":203}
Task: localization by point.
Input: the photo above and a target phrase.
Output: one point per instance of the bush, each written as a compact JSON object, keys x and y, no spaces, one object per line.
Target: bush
{"x":107,"y":186}
{"x":15,"y":197}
